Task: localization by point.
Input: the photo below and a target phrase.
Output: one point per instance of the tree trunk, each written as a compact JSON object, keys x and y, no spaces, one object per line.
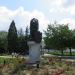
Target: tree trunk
{"x":62,"y":52}
{"x":48,"y":50}
{"x":70,"y":52}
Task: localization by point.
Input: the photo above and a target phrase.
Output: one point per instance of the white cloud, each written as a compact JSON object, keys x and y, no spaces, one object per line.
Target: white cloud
{"x":69,"y":21}
{"x":59,"y":10}
{"x":62,"y":11}
{"x":54,"y":3}
{"x":22,"y":18}
{"x":62,"y":7}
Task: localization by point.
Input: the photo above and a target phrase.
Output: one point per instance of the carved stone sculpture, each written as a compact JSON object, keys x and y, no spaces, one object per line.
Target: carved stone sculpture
{"x":34,"y":42}
{"x":35,"y":35}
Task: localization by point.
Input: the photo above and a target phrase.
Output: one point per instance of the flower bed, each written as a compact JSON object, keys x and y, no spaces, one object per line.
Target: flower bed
{"x":48,"y":66}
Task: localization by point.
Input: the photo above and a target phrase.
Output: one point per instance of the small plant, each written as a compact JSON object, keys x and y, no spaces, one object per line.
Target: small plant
{"x":1,"y":72}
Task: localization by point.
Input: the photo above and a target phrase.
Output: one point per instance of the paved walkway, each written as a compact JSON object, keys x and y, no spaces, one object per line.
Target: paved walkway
{"x":46,"y":55}
{"x":69,"y":58}
{"x":10,"y":56}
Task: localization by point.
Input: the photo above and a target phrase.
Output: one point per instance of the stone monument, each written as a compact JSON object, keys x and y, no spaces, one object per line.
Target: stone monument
{"x":34,"y":42}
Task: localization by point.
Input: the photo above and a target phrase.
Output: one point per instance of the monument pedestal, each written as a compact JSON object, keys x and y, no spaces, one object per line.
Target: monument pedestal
{"x":34,"y":52}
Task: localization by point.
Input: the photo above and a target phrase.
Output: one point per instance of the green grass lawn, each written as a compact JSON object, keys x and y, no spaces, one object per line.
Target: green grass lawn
{"x":8,"y":60}
{"x":3,"y":59}
{"x":59,"y":53}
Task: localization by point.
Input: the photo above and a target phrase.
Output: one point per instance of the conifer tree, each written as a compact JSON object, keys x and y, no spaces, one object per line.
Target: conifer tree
{"x":12,"y":38}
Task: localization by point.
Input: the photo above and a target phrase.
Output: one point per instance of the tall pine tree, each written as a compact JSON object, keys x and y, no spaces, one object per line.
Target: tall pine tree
{"x":12,"y":38}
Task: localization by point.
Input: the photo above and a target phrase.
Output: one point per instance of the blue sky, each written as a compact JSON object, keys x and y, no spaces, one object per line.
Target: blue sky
{"x":27,"y":4}
{"x":46,"y":11}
